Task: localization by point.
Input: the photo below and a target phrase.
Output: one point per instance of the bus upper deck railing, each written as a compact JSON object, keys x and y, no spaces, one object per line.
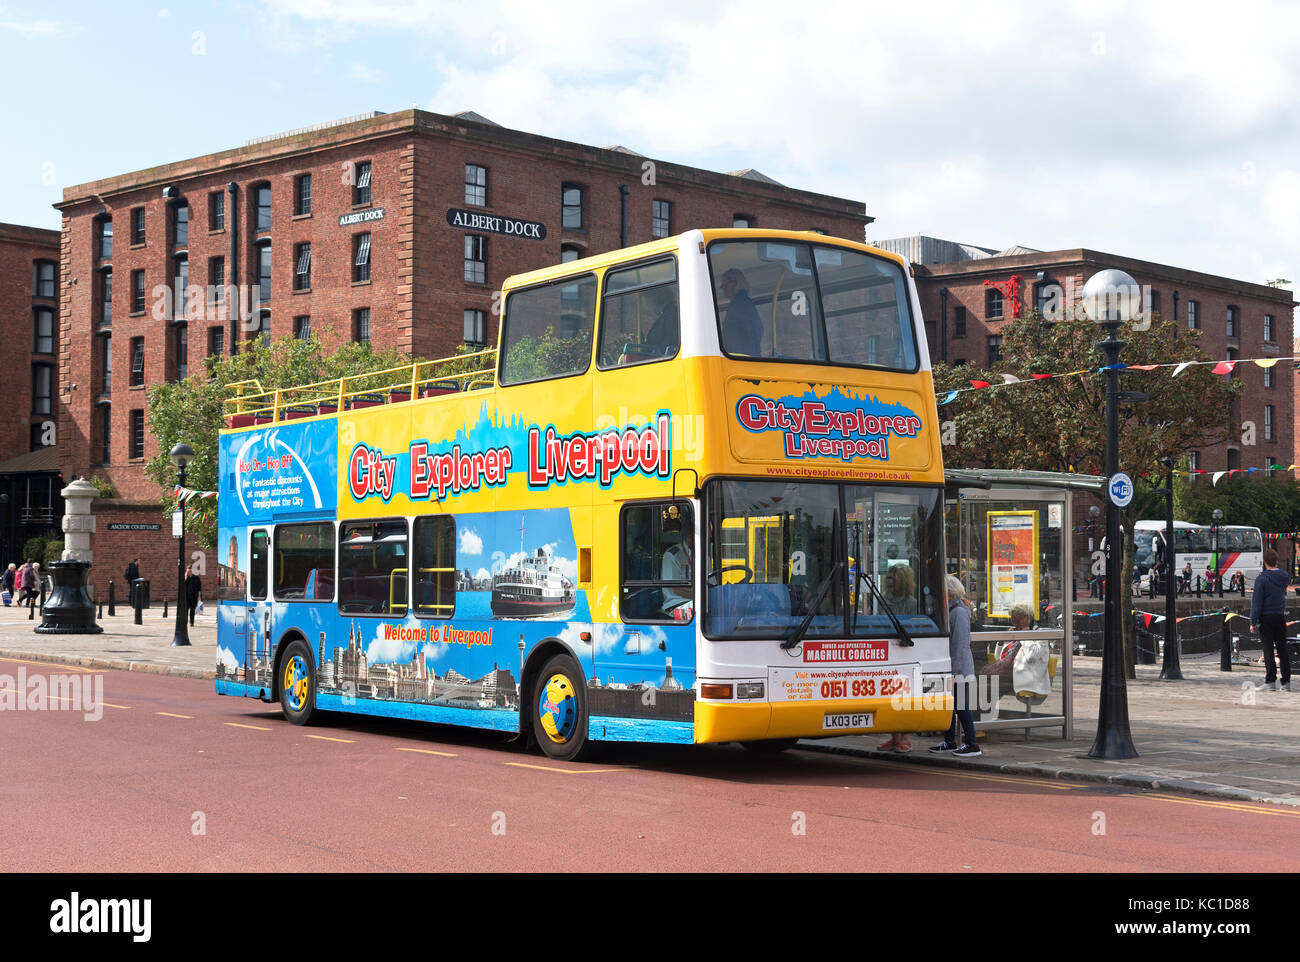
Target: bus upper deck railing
{"x":253,"y":404}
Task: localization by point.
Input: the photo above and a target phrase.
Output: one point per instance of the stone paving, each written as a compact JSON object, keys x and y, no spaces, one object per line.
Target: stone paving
{"x":1211,"y":733}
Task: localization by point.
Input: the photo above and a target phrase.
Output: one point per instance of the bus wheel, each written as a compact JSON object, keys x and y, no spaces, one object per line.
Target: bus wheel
{"x":771,"y":746}
{"x":297,"y":686}
{"x":560,"y":709}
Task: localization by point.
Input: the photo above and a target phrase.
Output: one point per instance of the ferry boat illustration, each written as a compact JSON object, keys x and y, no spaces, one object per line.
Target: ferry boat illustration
{"x":530,"y":588}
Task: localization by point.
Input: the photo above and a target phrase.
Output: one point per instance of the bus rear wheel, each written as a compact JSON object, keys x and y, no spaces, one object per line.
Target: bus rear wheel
{"x":297,"y":684}
{"x":560,"y":710}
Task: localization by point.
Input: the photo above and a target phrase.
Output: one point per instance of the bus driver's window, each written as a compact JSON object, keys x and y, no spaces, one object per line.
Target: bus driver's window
{"x":658,"y":563}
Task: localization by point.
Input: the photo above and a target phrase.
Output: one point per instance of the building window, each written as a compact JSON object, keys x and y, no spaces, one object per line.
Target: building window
{"x":1193,"y":463}
{"x":181,"y":225}
{"x":1268,"y":423}
{"x":741,"y":220}
{"x":302,"y":194}
{"x":958,"y":362}
{"x":264,"y":274}
{"x":1193,"y":310}
{"x":216,"y":210}
{"x":105,"y":238}
{"x":105,"y":363}
{"x":361,"y":189}
{"x":1154,"y":305}
{"x":958,"y":322}
{"x":42,"y":388}
{"x":569,"y":253}
{"x":216,"y":341}
{"x":182,"y":338}
{"x":43,"y":331}
{"x":106,"y":434}
{"x":475,"y":259}
{"x":137,"y":292}
{"x":1268,"y":327}
{"x":661,"y":218}
{"x":360,"y":257}
{"x":475,"y":329}
{"x":1232,"y":321}
{"x":216,"y":280}
{"x":571,"y":207}
{"x":302,"y":272}
{"x":995,"y":349}
{"x":46,"y":274}
{"x":106,"y":296}
{"x":361,"y":325}
{"x":993,"y":304}
{"x":302,"y":327}
{"x":262,"y":207}
{"x":137,"y":225}
{"x":1231,"y":355}
{"x":475,"y":185}
{"x":1268,"y":377}
{"x":137,"y":361}
{"x":137,"y":433}
{"x":180,"y":288}
{"x":264,"y":326}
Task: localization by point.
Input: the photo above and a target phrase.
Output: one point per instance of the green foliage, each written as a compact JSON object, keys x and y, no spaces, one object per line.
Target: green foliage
{"x":1272,"y":505}
{"x":532,"y":358}
{"x":191,"y":410}
{"x":104,"y":486}
{"x":53,"y":552}
{"x":34,"y":548}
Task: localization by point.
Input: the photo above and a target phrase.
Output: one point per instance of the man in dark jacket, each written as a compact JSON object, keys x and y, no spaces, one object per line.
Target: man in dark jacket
{"x":1268,"y":616}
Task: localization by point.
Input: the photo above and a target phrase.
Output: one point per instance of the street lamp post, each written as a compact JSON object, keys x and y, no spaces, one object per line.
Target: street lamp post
{"x":1171,"y":669}
{"x":1111,"y":297}
{"x":1214,"y":547}
{"x":182,"y":454}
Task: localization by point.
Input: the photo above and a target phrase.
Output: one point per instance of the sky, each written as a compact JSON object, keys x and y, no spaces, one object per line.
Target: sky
{"x":1161,"y":131}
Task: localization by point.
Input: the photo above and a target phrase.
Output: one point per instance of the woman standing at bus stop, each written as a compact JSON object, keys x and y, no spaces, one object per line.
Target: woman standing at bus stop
{"x":963,"y":672}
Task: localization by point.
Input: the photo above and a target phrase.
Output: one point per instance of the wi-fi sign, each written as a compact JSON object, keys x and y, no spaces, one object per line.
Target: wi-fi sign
{"x":1121,"y":489}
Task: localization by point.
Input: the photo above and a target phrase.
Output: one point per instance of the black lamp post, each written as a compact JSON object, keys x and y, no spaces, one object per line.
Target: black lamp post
{"x":181,"y":455}
{"x":1171,"y":669}
{"x":1111,"y":297}
{"x":1214,"y":547}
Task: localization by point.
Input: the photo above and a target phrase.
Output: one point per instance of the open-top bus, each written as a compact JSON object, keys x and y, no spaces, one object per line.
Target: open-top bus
{"x":674,"y":505}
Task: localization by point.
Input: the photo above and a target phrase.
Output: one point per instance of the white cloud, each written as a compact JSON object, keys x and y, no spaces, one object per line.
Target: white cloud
{"x":482,"y":573}
{"x":31,"y":29}
{"x":227,"y":658}
{"x":470,"y":542}
{"x":363,"y":74}
{"x":389,"y":650}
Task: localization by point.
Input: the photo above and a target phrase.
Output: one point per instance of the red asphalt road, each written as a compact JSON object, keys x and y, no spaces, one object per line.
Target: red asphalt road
{"x":361,"y":794}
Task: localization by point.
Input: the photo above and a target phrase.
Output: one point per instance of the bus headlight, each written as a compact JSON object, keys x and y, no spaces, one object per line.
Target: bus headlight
{"x":749,"y":689}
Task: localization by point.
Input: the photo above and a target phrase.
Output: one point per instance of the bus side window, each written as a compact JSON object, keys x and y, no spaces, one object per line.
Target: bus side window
{"x":657,"y":562}
{"x":548,"y":330}
{"x":373,"y":567}
{"x":258,"y":564}
{"x":639,"y":316}
{"x":434,"y":559}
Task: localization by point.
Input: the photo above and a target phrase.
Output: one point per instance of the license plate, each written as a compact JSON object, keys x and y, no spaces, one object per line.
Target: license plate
{"x":847,"y":720}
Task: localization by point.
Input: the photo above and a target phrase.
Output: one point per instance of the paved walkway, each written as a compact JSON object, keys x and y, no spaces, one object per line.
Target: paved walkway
{"x":1205,"y":734}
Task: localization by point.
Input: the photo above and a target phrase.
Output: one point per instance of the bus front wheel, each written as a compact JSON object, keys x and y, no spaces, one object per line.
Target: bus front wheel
{"x":560,"y":709}
{"x":297,"y":684}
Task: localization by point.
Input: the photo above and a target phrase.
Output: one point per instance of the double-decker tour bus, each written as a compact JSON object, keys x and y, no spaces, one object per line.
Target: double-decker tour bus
{"x":694,"y":495}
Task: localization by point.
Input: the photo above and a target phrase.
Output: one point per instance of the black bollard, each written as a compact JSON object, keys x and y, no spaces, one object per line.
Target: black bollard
{"x":31,"y":611}
{"x":137,"y":599}
{"x":164,"y":607}
{"x":1242,"y":582}
{"x":1198,"y":586}
{"x":100,"y":616}
{"x":1225,"y":649}
{"x":1219,"y":579}
{"x":112,"y":600}
{"x":42,"y":594}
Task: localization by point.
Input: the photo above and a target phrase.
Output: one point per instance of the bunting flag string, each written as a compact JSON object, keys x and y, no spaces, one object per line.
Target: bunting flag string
{"x":184,"y":495}
{"x":1223,"y":367}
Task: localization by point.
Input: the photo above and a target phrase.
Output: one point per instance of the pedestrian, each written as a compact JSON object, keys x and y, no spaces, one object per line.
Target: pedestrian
{"x":1187,"y":579}
{"x":963,"y":671}
{"x":132,"y":572}
{"x":1268,"y":617}
{"x":193,"y":592}
{"x":7,"y":584}
{"x":28,"y":581}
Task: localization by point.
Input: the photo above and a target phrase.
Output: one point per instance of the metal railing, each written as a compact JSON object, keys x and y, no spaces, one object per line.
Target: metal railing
{"x":253,"y":404}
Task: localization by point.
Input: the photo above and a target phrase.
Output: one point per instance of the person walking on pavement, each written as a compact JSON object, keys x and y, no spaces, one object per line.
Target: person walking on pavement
{"x":27,"y":581}
{"x":7,"y":582}
{"x":1268,"y":617}
{"x":193,"y":592}
{"x":963,"y":671}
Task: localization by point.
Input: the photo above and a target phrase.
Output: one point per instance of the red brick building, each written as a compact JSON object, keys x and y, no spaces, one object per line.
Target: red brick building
{"x":29,"y":332}
{"x":394,"y":228}
{"x":1236,"y":319}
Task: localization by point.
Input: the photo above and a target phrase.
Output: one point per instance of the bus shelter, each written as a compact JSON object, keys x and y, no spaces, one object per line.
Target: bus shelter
{"x":1009,"y":540}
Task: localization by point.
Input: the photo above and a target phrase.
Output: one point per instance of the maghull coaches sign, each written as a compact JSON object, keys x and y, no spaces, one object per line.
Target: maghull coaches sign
{"x":496,"y":224}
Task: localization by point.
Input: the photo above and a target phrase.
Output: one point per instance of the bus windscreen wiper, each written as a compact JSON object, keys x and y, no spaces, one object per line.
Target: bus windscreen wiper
{"x":904,"y":638}
{"x":796,"y":636}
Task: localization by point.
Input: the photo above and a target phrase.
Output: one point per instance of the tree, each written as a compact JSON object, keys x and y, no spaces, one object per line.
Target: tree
{"x":1059,"y":424}
{"x":192,"y":410}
